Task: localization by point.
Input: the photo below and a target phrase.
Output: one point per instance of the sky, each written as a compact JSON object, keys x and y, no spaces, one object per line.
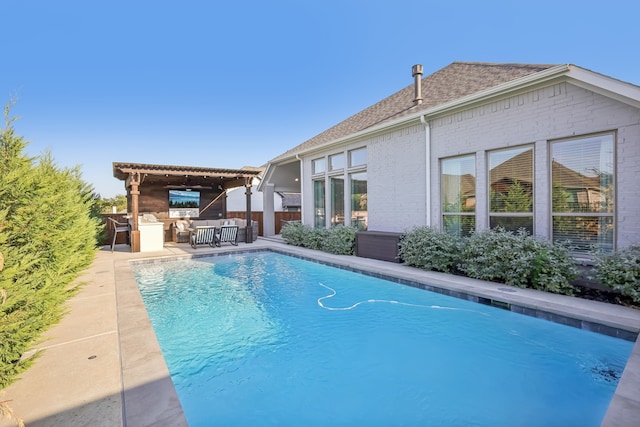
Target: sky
{"x":232,"y":84}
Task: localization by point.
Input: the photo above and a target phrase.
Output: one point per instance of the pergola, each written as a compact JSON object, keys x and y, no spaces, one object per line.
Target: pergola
{"x":139,"y":175}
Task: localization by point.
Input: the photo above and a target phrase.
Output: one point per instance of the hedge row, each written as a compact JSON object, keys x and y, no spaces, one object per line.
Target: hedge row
{"x":518,"y":259}
{"x":497,"y":255}
{"x":338,"y":240}
{"x":48,"y":230}
{"x":621,"y":271}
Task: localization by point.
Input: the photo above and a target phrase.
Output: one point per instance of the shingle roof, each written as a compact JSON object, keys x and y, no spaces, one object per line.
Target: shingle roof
{"x":452,"y":82}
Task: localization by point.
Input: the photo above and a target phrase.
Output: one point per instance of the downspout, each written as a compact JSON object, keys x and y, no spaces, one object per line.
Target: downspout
{"x":427,"y":138}
{"x":249,"y":229}
{"x":301,"y":185}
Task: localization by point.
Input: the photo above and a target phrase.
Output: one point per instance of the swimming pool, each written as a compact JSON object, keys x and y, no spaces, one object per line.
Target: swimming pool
{"x":266,"y":339}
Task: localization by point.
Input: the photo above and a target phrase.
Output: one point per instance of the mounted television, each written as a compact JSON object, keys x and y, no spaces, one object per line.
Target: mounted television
{"x":184,"y":203}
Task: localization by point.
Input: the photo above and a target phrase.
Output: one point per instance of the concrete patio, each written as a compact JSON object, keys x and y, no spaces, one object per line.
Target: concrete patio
{"x":102,"y":366}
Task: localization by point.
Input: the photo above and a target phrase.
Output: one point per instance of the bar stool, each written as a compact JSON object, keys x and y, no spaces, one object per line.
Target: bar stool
{"x":118,"y":227}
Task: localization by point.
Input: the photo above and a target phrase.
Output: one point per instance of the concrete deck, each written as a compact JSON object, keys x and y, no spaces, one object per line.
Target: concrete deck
{"x":102,"y":366}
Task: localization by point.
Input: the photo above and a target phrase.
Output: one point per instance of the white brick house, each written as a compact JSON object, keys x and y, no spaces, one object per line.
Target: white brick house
{"x":551,"y":148}
{"x":237,"y":199}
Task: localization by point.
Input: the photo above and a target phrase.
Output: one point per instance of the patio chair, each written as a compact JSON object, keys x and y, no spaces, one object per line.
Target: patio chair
{"x":180,"y":232}
{"x":203,"y":235}
{"x":118,"y":227}
{"x":228,"y":233}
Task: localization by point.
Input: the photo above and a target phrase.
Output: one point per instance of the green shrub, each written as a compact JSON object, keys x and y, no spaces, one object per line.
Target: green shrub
{"x":517,"y":259}
{"x":47,"y":236}
{"x":553,"y":268}
{"x":430,"y":249}
{"x":493,"y":255}
{"x":293,"y":233}
{"x":621,"y":271}
{"x":314,"y":238}
{"x":297,"y":234}
{"x":340,"y":240}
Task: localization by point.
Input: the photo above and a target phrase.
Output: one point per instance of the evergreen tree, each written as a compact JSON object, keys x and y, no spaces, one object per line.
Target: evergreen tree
{"x":48,"y":233}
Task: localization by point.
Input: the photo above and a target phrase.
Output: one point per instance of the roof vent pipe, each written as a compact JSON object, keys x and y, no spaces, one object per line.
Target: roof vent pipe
{"x":416,"y":72}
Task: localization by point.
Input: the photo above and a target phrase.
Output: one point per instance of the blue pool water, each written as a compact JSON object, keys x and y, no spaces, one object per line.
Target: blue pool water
{"x":269,"y":340}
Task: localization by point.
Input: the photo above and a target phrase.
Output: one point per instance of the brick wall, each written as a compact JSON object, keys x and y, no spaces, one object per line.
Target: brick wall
{"x":628,"y":182}
{"x":396,"y":164}
{"x":396,"y":177}
{"x":537,"y":117}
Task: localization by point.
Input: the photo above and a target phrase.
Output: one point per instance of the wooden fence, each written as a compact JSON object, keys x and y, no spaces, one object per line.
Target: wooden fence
{"x":286,"y":216}
{"x":257,"y":216}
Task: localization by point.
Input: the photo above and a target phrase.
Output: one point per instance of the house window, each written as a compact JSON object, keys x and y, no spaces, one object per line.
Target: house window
{"x":318,"y":166}
{"x":318,"y":203}
{"x":511,"y":189}
{"x":336,"y":162}
{"x":359,"y":217}
{"x":337,"y":200}
{"x":458,"y":178}
{"x":346,"y":201}
{"x":358,"y":157}
{"x":583,"y":192}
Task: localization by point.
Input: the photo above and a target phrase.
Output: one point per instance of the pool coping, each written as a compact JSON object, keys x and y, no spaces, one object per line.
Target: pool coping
{"x":149,"y":396}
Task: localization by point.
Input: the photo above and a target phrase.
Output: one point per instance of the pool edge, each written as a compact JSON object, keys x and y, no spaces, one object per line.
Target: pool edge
{"x":617,"y":321}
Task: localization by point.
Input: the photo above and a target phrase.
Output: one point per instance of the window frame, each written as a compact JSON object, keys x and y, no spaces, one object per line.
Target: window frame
{"x":609,"y":216}
{"x":360,"y":222}
{"x":350,"y":153}
{"x":328,"y":175}
{"x":331,"y":157}
{"x":335,"y":201}
{"x":461,"y":213}
{"x":496,"y":214}
{"x":315,"y":162}
{"x":319,"y":211}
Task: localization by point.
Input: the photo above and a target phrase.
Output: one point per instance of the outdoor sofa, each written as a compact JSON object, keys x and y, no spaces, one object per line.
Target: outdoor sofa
{"x":180,"y":230}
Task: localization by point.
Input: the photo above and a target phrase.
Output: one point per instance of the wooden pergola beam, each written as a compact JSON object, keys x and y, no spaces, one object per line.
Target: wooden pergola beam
{"x":134,"y":175}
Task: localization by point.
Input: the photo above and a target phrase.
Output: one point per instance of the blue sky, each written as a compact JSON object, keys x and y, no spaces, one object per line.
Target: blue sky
{"x":229,"y":84}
